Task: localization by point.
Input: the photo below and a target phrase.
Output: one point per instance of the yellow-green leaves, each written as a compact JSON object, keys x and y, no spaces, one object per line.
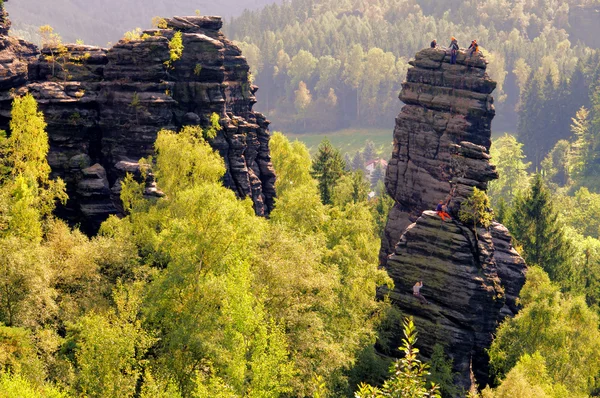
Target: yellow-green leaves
{"x":27,"y":194}
{"x":185,"y":160}
{"x":559,"y":327}
{"x":175,"y":49}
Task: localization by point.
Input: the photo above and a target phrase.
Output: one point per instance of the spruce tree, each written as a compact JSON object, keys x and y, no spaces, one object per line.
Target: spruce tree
{"x":358,"y":162}
{"x":377,"y":175}
{"x":369,"y":152}
{"x":534,"y":224}
{"x":529,"y":115}
{"x":328,"y":168}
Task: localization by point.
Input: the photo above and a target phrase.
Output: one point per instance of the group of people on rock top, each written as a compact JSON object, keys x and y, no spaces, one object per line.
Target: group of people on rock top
{"x":474,"y":47}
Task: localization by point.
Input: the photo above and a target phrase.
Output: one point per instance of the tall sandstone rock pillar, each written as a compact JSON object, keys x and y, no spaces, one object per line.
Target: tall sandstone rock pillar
{"x":104,"y":108}
{"x":441,"y":144}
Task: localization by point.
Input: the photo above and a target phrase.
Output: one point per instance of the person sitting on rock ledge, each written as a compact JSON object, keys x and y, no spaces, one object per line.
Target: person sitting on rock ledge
{"x":453,"y":49}
{"x":474,"y":47}
{"x":434,"y":44}
{"x":417,"y":292}
{"x":442,"y":210}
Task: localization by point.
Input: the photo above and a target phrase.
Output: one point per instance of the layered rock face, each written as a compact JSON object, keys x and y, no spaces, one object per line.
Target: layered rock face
{"x":104,"y":108}
{"x":441,"y":144}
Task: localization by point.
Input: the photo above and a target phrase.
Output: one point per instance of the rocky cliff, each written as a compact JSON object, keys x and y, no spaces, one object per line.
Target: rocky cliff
{"x":104,"y":108}
{"x":441,"y":144}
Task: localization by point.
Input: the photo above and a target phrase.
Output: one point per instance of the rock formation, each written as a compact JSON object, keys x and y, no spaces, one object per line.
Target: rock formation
{"x":104,"y":108}
{"x":441,"y":144}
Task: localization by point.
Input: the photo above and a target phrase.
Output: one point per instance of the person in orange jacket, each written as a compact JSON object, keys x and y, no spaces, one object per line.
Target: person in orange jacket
{"x":441,"y":211}
{"x":474,"y":47}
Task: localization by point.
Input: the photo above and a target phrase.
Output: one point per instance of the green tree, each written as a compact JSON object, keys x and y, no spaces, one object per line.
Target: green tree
{"x":557,"y":327}
{"x":353,"y":72}
{"x":381,"y":206}
{"x":408,"y":375}
{"x":175,"y":49}
{"x":369,"y":152}
{"x":534,"y":224}
{"x":351,"y":188}
{"x":529,"y":379}
{"x":111,"y":370}
{"x":441,"y":372}
{"x":377,"y":175}
{"x":583,"y":144}
{"x":358,"y":161}
{"x":27,"y":194}
{"x":302,"y":101}
{"x":507,"y":155}
{"x":14,"y":385}
{"x":58,"y":52}
{"x":476,"y":210}
{"x":292,"y":162}
{"x":328,"y":167}
{"x":302,"y":67}
{"x":556,"y":164}
{"x":18,"y":356}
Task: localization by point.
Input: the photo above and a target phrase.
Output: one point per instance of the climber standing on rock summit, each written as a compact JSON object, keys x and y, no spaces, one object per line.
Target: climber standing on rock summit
{"x":434,"y":43}
{"x":453,"y":49}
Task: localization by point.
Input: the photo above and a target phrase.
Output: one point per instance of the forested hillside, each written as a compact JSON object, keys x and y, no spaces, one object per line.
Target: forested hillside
{"x":100,"y":22}
{"x":341,"y":63}
{"x":186,"y":290}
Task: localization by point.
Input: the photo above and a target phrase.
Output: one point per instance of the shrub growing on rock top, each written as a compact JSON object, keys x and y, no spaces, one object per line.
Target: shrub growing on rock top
{"x":475,"y":210}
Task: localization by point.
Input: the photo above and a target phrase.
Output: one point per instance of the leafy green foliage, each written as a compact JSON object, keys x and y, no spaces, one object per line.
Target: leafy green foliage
{"x":381,"y":206}
{"x":27,"y":194}
{"x":17,"y":386}
{"x":529,"y":379}
{"x":507,"y":155}
{"x":292,"y":162}
{"x":18,"y":356}
{"x":351,"y":188}
{"x":442,"y":375}
{"x":476,"y":210}
{"x":555,"y":326}
{"x":407,"y":374}
{"x":175,"y":49}
{"x":110,"y":370}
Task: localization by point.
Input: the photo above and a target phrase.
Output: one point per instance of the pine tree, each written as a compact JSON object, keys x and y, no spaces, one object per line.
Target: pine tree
{"x":358,"y":161}
{"x":328,"y":168}
{"x":377,"y":175}
{"x":369,"y":152}
{"x":534,"y":224}
{"x":529,"y":115}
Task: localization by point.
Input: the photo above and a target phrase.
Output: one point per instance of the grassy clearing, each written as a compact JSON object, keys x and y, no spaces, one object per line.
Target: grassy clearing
{"x":349,"y":140}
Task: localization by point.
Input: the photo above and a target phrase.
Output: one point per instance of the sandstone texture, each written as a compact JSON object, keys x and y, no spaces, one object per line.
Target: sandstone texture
{"x":104,"y":108}
{"x":441,"y":152}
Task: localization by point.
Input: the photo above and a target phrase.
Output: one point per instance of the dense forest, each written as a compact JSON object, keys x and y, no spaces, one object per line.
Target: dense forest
{"x":325,"y":65}
{"x":190,"y":294}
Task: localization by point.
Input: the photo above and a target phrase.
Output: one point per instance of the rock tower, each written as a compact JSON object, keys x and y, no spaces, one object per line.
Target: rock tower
{"x":104,"y":108}
{"x":471,"y":277}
